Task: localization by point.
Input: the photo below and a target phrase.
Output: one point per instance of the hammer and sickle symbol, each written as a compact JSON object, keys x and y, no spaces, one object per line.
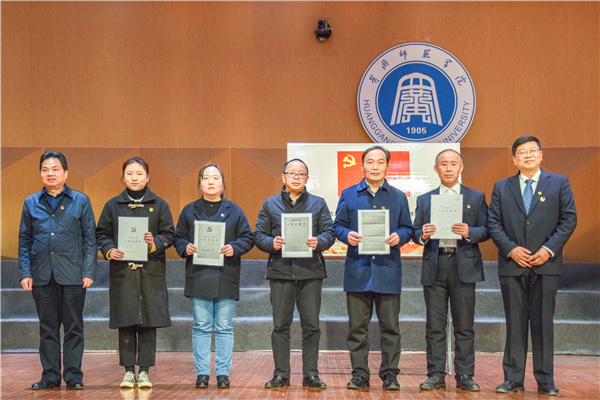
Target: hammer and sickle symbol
{"x":349,"y":161}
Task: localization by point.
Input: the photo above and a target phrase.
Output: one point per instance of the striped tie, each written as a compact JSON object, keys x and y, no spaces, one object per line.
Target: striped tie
{"x":528,"y":195}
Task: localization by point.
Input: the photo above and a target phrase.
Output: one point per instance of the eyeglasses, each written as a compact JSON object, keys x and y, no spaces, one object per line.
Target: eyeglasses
{"x":524,"y":153}
{"x":300,"y":175}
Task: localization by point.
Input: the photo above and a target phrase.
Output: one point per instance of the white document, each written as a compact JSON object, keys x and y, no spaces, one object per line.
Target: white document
{"x":446,"y":210}
{"x":374,"y":227}
{"x":296,"y":229}
{"x":209,"y":238}
{"x":131,"y":238}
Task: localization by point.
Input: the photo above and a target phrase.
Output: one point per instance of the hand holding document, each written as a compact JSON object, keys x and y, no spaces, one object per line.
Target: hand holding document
{"x":209,"y":238}
{"x":373,"y":226}
{"x":446,"y":210}
{"x":131,"y":238}
{"x":296,"y":230}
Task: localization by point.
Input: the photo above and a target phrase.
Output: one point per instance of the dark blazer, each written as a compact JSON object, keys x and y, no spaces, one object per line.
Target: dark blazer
{"x":470,"y":266}
{"x":551,"y":221}
{"x":268,"y":225}
{"x":137,"y":297}
{"x":213,"y":281}
{"x":385,"y":270}
{"x":59,"y":242}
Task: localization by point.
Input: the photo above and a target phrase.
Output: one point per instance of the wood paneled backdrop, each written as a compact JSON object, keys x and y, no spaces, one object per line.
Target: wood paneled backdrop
{"x":182,"y":84}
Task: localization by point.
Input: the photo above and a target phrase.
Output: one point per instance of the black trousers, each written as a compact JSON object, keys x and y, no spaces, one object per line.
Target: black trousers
{"x":529,"y":300}
{"x":60,"y":304}
{"x":306,"y":295}
{"x":447,"y":284}
{"x":360,"y":311}
{"x":137,"y":340}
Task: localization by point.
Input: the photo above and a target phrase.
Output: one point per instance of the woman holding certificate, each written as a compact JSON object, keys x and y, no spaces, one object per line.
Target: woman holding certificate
{"x":212,"y":234}
{"x":133,"y":232}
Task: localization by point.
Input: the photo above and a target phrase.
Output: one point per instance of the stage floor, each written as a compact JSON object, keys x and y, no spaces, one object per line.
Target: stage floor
{"x":577,"y":377}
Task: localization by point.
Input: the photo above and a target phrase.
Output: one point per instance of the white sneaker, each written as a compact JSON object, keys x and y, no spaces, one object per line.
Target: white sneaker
{"x":128,"y":380}
{"x":143,"y":381}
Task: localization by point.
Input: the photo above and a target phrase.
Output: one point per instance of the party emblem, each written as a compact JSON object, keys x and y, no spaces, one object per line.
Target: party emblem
{"x":543,"y":199}
{"x":151,"y":209}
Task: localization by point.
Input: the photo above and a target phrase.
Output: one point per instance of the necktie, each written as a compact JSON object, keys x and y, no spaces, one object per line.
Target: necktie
{"x":528,"y":195}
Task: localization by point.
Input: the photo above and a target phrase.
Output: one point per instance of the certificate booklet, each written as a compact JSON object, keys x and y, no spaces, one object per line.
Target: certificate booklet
{"x":296,"y":229}
{"x":374,"y":227}
{"x":131,"y":238}
{"x":209,"y":238}
{"x":446,"y":210}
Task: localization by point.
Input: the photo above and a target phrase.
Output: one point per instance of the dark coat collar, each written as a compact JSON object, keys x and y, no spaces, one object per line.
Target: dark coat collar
{"x":362,"y":185}
{"x":221,"y":214}
{"x":285,"y":196}
{"x":66,"y":191}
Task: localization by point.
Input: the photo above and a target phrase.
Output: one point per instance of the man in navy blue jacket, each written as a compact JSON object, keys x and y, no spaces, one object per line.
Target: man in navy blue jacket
{"x":58,"y":258}
{"x":373,"y":279}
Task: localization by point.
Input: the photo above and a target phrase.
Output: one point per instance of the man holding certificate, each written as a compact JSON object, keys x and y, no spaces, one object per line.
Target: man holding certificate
{"x":450,"y":221}
{"x":372,"y":217}
{"x":294,"y":227}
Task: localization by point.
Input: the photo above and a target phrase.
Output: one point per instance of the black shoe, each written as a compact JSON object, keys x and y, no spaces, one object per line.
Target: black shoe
{"x":222,"y":381}
{"x":44,"y":384}
{"x":277,"y":382}
{"x":433,"y":383}
{"x":465,"y":382}
{"x":358,"y":382}
{"x":510,"y":387}
{"x":547,"y":389}
{"x":75,"y":384}
{"x":313,"y":382}
{"x":391,"y":383}
{"x":202,"y":381}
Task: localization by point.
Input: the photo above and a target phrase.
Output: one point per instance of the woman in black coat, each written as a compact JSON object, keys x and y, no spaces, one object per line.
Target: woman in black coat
{"x":137,"y":290}
{"x":213,"y":290}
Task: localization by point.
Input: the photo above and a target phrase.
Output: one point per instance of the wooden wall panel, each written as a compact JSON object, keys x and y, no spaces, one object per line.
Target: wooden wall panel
{"x":256,"y":175}
{"x":223,"y":78}
{"x":20,"y":178}
{"x":580,"y":165}
{"x":80,"y":73}
{"x":484,"y":167}
{"x":17,"y":125}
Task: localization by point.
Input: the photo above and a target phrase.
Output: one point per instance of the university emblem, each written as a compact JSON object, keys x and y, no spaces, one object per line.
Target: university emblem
{"x":416,"y":92}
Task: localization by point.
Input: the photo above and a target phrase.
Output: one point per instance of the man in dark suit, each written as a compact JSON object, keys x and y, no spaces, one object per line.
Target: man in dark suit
{"x":373,"y":280}
{"x":531,"y":217}
{"x":450,"y":269}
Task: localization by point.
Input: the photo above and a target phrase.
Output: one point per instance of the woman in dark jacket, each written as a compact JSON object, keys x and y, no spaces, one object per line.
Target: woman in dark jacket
{"x":137,"y":290}
{"x":213,"y":290}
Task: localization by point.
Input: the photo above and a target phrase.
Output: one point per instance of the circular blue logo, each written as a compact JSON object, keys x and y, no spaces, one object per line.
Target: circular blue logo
{"x":416,"y":93}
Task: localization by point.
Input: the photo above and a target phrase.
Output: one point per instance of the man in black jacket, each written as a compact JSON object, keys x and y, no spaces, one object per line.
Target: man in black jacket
{"x":295,"y":280}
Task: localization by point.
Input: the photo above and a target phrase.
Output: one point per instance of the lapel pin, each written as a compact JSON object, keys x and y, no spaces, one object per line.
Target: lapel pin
{"x":383,"y":208}
{"x":468,"y":206}
{"x":222,"y":214}
{"x":62,"y":207}
{"x":151,"y":209}
{"x":539,"y":193}
{"x":543,"y":199}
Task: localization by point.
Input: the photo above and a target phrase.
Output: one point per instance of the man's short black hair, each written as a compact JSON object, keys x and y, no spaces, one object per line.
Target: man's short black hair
{"x":54,"y":154}
{"x":443,"y":151}
{"x":523,"y":140}
{"x":387,"y":153}
{"x":292,"y":160}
